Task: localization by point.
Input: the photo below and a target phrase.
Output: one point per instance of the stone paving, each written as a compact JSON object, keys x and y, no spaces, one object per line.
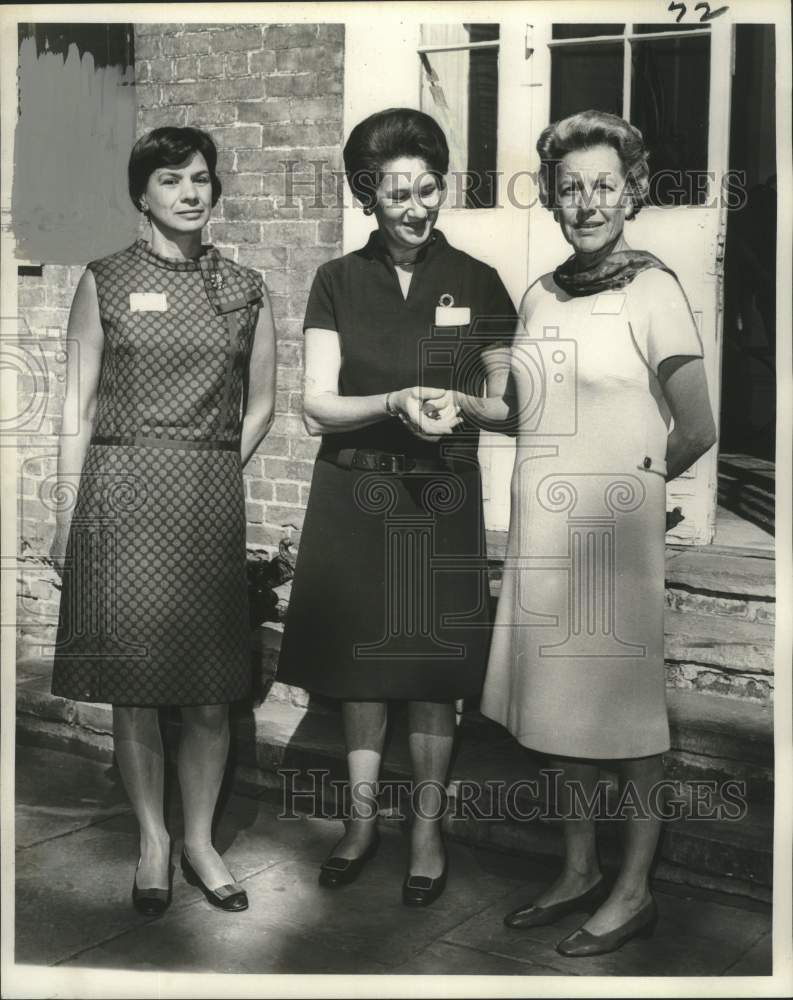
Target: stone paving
{"x":76,"y":852}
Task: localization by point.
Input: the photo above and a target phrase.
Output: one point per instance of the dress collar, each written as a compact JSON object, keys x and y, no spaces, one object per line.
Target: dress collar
{"x":375,"y":248}
{"x":144,"y":250}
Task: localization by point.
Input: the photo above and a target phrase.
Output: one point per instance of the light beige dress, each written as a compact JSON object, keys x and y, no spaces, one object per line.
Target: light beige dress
{"x":576,"y":663}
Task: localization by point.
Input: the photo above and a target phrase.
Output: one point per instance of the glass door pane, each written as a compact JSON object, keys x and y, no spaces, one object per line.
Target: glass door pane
{"x":586,"y":76}
{"x":459,"y":88}
{"x":669,"y":103}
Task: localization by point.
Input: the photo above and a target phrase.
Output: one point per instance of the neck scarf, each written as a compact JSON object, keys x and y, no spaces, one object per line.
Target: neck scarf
{"x":614,"y":271}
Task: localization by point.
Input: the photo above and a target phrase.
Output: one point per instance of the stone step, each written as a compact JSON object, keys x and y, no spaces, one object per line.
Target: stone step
{"x":712,"y":739}
{"x":721,"y":583}
{"x":757,"y":472}
{"x":282,"y":746}
{"x":726,"y":655}
{"x":747,"y":487}
{"x":719,"y":655}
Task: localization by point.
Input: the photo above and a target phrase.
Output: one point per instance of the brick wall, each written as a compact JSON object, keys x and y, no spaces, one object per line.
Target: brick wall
{"x":267,"y":94}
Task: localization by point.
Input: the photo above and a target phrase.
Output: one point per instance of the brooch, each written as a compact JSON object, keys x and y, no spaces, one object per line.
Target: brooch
{"x":216,"y":280}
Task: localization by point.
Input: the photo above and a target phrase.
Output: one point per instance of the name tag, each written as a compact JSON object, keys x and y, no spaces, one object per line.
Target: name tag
{"x":148,"y":302}
{"x":608,"y":305}
{"x":452,"y":315}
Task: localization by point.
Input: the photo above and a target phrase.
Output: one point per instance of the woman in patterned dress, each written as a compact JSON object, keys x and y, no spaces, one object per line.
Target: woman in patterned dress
{"x":171,"y":352}
{"x":576,"y":667}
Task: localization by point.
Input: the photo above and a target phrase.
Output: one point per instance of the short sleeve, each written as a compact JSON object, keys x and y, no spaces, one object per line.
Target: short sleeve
{"x":500,"y":317}
{"x":671,"y":329}
{"x":320,"y":310}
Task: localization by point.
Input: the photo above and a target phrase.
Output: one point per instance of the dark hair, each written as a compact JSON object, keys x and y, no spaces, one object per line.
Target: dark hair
{"x":388,"y":135}
{"x":583,"y":131}
{"x":169,"y":146}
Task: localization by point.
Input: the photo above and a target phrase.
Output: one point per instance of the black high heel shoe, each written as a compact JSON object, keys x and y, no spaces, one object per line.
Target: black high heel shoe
{"x":229,"y":897}
{"x":152,"y":902}
{"x":342,"y":871}
{"x":421,"y":890}
{"x":581,"y":944}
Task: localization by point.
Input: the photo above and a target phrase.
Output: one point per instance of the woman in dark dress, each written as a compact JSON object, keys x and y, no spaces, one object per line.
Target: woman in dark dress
{"x":171,"y":348}
{"x":390,"y":599}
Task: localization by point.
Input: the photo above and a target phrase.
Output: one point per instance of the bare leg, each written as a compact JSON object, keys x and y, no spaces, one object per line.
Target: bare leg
{"x":141,"y":761}
{"x":203,"y":751}
{"x":364,"y":735}
{"x":431,"y":737}
{"x":581,"y":868}
{"x":631,"y":890}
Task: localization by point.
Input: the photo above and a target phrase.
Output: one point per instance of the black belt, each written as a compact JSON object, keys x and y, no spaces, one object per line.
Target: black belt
{"x":390,"y":462}
{"x":138,"y":441}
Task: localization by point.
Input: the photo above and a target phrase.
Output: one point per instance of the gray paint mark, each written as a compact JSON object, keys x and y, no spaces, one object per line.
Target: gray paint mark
{"x":74,"y":134}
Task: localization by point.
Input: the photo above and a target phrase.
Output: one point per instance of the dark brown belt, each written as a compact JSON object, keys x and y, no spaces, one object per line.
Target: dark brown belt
{"x":138,"y":441}
{"x":393,"y":463}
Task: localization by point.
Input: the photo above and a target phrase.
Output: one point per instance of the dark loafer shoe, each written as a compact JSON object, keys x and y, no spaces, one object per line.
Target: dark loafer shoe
{"x":421,"y":890}
{"x":581,"y":944}
{"x":341,"y":871}
{"x":539,"y":916}
{"x":230,"y":897}
{"x":152,"y":902}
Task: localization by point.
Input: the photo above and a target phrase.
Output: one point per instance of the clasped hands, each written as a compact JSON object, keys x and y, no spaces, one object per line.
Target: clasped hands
{"x":428,"y":413}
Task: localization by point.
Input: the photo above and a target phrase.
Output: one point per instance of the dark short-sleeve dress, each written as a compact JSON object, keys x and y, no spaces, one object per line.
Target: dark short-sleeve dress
{"x":154,"y":604}
{"x":390,"y":598}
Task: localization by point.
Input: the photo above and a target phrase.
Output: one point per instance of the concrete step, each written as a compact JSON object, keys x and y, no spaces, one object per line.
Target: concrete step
{"x":284,"y":747}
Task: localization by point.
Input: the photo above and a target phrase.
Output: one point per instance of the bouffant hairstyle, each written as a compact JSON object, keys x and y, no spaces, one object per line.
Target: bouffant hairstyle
{"x":583,"y":131}
{"x":388,"y":135}
{"x":169,"y":146}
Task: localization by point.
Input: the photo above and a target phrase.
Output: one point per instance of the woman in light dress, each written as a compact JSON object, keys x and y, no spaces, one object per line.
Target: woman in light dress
{"x":612,"y":403}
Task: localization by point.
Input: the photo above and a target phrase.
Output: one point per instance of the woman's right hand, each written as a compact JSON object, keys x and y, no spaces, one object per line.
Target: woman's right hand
{"x":430,"y":423}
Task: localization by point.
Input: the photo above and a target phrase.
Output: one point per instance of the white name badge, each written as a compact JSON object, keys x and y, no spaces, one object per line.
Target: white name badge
{"x":148,"y":302}
{"x":609,"y":304}
{"x":452,"y":315}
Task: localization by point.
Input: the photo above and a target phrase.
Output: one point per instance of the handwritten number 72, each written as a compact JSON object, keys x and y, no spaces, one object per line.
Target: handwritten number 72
{"x":707,"y":13}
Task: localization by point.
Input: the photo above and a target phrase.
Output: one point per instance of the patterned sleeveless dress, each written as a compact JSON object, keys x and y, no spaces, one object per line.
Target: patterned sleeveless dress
{"x":154,"y":605}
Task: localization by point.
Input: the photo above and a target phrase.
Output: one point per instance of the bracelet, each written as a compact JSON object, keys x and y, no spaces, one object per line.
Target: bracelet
{"x":388,"y":408}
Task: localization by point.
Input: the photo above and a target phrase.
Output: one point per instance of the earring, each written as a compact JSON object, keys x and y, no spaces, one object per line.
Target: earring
{"x":367,"y":211}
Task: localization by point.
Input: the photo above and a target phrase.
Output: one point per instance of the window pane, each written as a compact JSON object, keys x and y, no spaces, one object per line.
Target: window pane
{"x":646,"y":29}
{"x":460,"y":90}
{"x":585,"y":30}
{"x":669,"y":103}
{"x":482,"y":32}
{"x":586,"y":76}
